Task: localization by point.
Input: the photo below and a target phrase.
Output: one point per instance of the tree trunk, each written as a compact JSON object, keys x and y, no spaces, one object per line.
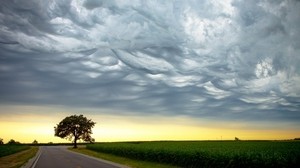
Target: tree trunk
{"x":75,"y":142}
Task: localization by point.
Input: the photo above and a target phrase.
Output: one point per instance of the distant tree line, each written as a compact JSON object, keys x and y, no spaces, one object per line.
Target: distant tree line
{"x":13,"y":142}
{"x":10,"y":142}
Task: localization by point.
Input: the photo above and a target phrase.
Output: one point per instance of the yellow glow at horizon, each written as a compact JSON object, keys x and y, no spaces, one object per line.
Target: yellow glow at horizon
{"x":29,"y":127}
{"x":28,"y":132}
{"x":178,"y":132}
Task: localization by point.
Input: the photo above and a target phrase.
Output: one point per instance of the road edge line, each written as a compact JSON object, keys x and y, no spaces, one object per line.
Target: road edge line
{"x":100,"y":159}
{"x":33,"y":160}
{"x":36,"y":159}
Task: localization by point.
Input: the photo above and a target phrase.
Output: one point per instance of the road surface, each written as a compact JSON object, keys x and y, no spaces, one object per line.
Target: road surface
{"x":61,"y":157}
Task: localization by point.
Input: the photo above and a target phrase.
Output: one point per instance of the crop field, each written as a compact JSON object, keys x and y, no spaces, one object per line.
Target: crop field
{"x":208,"y":153}
{"x":11,"y":149}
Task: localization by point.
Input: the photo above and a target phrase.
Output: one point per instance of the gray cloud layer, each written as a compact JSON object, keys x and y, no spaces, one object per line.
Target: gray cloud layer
{"x":221,"y":59}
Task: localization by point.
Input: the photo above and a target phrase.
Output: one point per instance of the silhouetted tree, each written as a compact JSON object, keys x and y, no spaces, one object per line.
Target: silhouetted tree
{"x":236,"y":138}
{"x":1,"y":141}
{"x":13,"y":142}
{"x":35,"y":142}
{"x":74,"y":128}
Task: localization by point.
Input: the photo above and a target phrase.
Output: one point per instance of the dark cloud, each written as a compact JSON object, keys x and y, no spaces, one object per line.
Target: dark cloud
{"x":230,"y":60}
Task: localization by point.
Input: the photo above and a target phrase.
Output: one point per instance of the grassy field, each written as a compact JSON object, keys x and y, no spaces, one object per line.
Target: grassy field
{"x":17,"y":159}
{"x":208,"y":153}
{"x":11,"y":149}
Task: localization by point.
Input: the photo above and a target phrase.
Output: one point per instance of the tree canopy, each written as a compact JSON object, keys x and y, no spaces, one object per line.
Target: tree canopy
{"x":13,"y":142}
{"x":75,"y":127}
{"x":35,"y":142}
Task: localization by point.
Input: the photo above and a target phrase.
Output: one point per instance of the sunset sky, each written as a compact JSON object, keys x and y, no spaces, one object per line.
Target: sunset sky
{"x":151,"y":70}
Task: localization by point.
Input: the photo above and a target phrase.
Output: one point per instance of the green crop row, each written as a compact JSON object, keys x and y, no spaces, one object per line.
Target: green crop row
{"x":209,"y":153}
{"x":11,"y":149}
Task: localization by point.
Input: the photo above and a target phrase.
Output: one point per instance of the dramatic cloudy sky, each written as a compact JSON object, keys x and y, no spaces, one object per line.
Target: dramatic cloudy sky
{"x":229,"y":60}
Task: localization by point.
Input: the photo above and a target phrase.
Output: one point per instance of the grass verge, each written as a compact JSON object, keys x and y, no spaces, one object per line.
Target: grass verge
{"x":121,"y":160}
{"x":18,"y":159}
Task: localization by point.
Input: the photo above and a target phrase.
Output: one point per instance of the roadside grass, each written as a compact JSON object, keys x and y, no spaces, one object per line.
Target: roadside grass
{"x":121,"y":160}
{"x":18,"y":159}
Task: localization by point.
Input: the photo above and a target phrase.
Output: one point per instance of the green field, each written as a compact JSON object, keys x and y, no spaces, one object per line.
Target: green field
{"x":208,"y":153}
{"x":11,"y":149}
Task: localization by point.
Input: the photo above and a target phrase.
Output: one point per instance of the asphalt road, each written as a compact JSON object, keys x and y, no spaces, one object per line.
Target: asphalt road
{"x":61,"y":157}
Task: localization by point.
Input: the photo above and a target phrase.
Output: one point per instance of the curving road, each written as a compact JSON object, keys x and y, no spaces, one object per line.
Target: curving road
{"x":61,"y":157}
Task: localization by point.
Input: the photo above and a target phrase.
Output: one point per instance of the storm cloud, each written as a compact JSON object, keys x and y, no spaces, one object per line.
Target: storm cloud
{"x":231,"y":59}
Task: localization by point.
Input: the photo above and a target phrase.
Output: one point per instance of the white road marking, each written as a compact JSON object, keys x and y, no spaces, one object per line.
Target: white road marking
{"x":36,"y":160}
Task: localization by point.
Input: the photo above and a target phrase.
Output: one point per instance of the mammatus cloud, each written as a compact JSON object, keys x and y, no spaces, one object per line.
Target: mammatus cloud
{"x":222,"y":59}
